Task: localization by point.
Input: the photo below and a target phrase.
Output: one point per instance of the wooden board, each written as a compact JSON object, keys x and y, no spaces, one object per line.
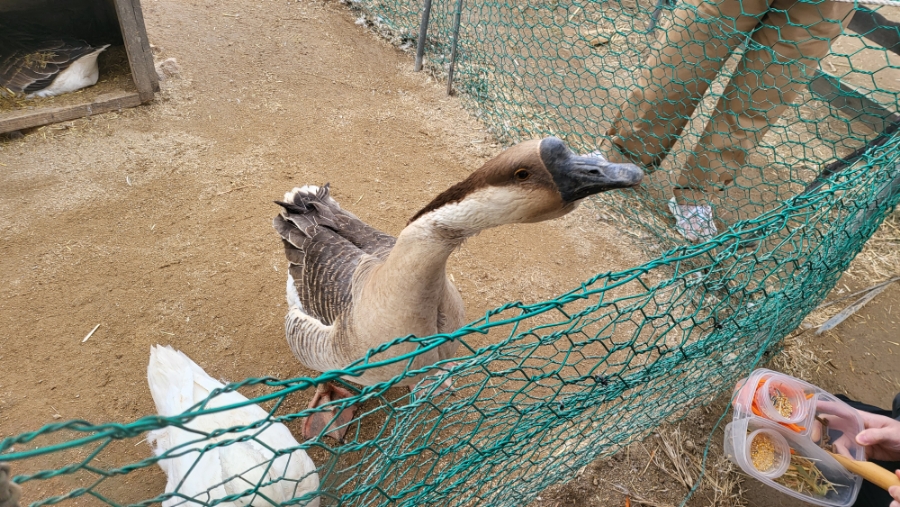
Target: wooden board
{"x":134,"y":33}
{"x":852,"y":101}
{"x":18,"y":120}
{"x":878,"y":29}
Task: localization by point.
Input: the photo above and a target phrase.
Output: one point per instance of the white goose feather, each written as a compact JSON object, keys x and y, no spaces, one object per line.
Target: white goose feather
{"x":176,"y":384}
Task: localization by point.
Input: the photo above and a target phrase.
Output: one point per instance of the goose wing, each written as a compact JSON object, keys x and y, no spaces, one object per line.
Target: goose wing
{"x":350,"y":227}
{"x":28,"y":64}
{"x":324,"y":244}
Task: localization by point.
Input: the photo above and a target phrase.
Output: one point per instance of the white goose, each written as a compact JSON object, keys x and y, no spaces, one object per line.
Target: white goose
{"x":177,"y":383}
{"x":352,"y":288}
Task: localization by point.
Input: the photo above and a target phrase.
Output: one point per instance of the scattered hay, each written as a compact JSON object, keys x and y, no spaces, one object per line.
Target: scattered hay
{"x":718,"y":482}
{"x":40,"y":59}
{"x":671,"y":452}
{"x":880,"y":258}
{"x":798,"y":357}
{"x":682,"y":466}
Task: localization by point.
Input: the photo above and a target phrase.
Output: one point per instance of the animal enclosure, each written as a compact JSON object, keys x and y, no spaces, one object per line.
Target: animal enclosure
{"x":577,"y":376}
{"x":127,"y":74}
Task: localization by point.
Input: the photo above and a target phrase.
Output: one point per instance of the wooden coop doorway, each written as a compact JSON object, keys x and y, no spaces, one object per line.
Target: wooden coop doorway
{"x":127,"y":75}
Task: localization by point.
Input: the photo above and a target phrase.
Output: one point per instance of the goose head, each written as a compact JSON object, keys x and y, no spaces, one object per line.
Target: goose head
{"x":531,"y":182}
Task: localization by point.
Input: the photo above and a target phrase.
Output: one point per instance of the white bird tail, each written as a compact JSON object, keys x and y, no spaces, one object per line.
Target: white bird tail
{"x":176,"y":384}
{"x":171,"y":380}
{"x":170,"y":375}
{"x":293,"y":297}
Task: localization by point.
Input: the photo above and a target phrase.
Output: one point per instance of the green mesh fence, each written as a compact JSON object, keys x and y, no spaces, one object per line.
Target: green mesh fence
{"x":582,"y":375}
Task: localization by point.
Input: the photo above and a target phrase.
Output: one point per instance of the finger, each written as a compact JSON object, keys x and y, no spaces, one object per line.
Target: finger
{"x":816,"y":433}
{"x":873,"y":436}
{"x":874,"y":420}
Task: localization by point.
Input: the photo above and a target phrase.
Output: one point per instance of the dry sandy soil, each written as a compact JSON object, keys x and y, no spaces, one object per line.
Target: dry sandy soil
{"x":156,"y":222}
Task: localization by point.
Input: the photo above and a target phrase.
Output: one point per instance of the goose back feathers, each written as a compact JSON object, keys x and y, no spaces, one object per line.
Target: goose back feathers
{"x":324,"y":245}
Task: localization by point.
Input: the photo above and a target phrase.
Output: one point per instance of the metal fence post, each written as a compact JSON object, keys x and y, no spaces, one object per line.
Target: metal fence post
{"x":458,"y":14}
{"x":423,"y":34}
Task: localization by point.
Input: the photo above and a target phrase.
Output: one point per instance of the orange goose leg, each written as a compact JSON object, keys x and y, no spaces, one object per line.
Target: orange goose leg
{"x":333,"y":420}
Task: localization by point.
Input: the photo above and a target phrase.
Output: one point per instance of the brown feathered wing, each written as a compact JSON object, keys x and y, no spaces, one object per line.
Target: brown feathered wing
{"x":323,"y":244}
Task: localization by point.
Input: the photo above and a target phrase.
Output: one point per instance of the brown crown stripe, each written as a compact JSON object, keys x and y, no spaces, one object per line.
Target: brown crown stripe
{"x":497,"y":172}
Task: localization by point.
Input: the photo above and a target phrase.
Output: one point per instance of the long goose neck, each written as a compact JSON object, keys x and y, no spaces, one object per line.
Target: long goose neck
{"x":418,"y":260}
{"x":402,"y":295}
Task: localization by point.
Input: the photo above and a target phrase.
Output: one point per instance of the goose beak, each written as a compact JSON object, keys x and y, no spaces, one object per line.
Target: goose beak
{"x":579,"y":177}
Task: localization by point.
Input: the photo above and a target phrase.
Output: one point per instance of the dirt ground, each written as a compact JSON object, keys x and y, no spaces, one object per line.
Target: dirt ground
{"x":155,"y":223}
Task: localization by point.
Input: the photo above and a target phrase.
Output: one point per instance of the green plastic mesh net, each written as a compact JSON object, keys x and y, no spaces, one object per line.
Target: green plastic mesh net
{"x":582,"y":375}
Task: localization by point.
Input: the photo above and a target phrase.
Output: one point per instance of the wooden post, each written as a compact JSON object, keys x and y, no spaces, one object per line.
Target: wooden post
{"x":140,"y":59}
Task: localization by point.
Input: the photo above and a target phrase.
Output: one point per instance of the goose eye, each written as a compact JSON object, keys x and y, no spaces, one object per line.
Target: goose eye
{"x":522,"y":174}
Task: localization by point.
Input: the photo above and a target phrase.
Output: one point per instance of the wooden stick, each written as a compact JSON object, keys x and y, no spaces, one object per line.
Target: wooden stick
{"x":871,"y":472}
{"x":650,"y":460}
{"x":233,"y":189}
{"x":850,"y":310}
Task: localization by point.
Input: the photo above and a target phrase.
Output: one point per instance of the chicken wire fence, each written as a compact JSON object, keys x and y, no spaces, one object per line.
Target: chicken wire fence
{"x":580,"y":376}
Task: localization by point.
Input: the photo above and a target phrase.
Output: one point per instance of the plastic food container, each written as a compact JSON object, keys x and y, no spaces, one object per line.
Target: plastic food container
{"x":782,"y":401}
{"x":768,"y":452}
{"x":780,"y":430}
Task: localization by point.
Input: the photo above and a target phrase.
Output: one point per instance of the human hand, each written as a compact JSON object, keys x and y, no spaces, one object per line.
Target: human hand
{"x":894,"y":491}
{"x":881,"y":438}
{"x":836,"y":419}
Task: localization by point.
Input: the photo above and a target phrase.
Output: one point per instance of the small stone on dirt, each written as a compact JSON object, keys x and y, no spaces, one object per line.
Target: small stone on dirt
{"x":168,"y":68}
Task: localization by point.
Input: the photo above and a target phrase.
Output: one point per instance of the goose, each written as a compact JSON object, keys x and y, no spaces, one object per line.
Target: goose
{"x":10,"y":492}
{"x":177,"y":384}
{"x":351,"y":287}
{"x":44,"y":67}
